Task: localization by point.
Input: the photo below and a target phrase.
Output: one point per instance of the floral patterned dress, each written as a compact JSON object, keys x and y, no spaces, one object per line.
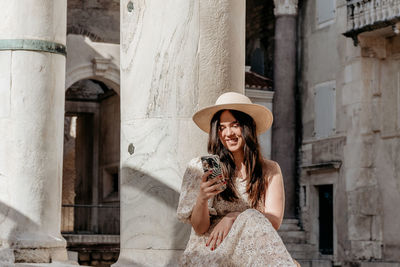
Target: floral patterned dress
{"x":252,"y":240}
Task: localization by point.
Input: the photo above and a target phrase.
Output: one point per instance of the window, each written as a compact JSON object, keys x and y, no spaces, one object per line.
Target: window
{"x":325,"y":12}
{"x":325,"y":110}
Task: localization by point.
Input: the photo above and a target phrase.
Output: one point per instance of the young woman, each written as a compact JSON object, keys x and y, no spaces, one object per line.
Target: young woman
{"x":236,"y":226}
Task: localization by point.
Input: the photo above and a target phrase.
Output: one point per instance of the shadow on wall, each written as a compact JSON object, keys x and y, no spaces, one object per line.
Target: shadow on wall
{"x":148,"y":212}
{"x":10,"y":229}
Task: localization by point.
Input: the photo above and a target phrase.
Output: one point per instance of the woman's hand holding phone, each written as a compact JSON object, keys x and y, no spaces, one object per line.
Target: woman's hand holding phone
{"x":210,"y":188}
{"x":200,"y":215}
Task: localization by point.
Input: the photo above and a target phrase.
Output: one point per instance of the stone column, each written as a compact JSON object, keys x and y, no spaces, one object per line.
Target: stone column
{"x":366,"y":166}
{"x":284,"y":126}
{"x":32,"y":79}
{"x":176,"y":56}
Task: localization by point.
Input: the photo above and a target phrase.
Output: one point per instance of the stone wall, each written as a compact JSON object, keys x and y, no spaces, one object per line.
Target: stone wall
{"x":98,"y":19}
{"x":360,"y":157}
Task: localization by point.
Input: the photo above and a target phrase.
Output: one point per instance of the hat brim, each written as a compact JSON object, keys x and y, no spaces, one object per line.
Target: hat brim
{"x":261,"y":115}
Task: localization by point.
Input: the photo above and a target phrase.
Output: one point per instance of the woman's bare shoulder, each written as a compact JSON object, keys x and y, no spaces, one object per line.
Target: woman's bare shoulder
{"x":271,"y":167}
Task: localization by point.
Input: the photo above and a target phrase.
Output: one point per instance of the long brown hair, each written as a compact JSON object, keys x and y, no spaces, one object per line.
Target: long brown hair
{"x":253,"y":161}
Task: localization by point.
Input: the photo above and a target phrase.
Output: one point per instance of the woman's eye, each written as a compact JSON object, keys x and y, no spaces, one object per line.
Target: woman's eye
{"x":221,"y":128}
{"x":236,"y":125}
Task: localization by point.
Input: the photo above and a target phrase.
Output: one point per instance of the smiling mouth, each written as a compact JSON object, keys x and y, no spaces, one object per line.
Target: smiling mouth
{"x":232,"y":141}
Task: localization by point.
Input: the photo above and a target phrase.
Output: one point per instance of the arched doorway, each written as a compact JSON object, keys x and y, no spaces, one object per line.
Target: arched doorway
{"x":90,"y":195}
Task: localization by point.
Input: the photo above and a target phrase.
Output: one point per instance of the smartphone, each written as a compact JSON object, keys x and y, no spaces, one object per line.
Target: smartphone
{"x":212,"y":162}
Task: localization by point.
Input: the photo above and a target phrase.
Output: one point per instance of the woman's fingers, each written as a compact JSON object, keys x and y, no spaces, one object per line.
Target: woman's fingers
{"x":214,"y":180}
{"x":220,"y":238}
{"x":213,"y":242}
{"x":225,"y":234}
{"x":210,"y":188}
{"x":210,"y":238}
{"x":215,"y":239}
{"x":213,"y":188}
{"x":205,"y":176}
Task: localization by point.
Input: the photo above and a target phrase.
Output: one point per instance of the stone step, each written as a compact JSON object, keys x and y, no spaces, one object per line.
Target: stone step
{"x":315,"y":263}
{"x":297,"y":237}
{"x":300,"y":247}
{"x":291,"y":221}
{"x":285,"y":226}
{"x":53,"y":264}
{"x":302,"y":251}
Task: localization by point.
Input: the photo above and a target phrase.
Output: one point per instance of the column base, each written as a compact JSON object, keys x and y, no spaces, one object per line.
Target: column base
{"x":148,"y":257}
{"x":32,"y":255}
{"x":40,"y":255}
{"x":6,"y":256}
{"x":53,"y":264}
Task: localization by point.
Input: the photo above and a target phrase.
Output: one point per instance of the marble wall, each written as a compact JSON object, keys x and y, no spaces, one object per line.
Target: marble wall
{"x":175,"y":58}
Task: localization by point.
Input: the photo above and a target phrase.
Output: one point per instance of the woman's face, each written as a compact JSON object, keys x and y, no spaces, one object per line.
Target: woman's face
{"x":230,"y":132}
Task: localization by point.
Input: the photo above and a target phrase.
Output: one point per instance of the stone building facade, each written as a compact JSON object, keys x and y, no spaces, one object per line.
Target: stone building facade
{"x":122,"y":78}
{"x":348,"y":83}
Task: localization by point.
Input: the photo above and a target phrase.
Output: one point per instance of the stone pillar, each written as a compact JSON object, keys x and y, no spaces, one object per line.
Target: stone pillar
{"x":363,"y":169}
{"x":284,"y":126}
{"x":32,"y":79}
{"x":176,"y":56}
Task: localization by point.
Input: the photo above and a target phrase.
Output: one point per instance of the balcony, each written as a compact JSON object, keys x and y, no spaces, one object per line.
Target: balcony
{"x":371,"y":15}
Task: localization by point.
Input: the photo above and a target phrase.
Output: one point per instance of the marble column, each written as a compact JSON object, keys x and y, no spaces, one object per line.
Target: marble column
{"x":32,"y":79}
{"x":284,"y":126}
{"x":176,"y":56}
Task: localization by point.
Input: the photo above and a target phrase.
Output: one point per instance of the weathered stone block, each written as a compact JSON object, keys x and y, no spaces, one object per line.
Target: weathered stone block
{"x":96,"y":256}
{"x":32,"y":255}
{"x":366,"y":118}
{"x":376,"y":114}
{"x":108,"y":256}
{"x":351,"y":92}
{"x":359,"y":227}
{"x":306,"y":154}
{"x":391,"y":252}
{"x":6,"y":256}
{"x":365,"y":201}
{"x":366,"y":250}
{"x":84,"y":256}
{"x":379,"y":264}
{"x":359,"y":177}
{"x":377,"y":228}
{"x":352,"y":72}
{"x":328,"y":150}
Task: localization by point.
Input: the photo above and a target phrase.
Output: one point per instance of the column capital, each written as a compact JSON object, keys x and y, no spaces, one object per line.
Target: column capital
{"x":285,"y":7}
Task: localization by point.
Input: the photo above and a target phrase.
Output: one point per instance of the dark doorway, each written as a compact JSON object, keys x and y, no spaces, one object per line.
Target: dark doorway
{"x":91,"y":160}
{"x":326,"y":219}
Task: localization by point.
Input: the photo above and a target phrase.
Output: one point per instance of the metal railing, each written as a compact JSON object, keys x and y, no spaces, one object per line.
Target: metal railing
{"x":90,"y":219}
{"x":364,"y":13}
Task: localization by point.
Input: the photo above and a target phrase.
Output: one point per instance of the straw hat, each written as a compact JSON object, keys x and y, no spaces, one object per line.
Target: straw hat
{"x":231,"y":100}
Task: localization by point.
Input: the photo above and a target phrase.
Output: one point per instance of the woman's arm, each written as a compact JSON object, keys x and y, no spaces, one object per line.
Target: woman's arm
{"x":200,"y":218}
{"x":275,"y":198}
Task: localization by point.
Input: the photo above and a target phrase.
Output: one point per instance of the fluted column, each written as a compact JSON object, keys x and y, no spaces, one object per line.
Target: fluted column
{"x":32,"y":78}
{"x":284,"y":126}
{"x":176,"y":56}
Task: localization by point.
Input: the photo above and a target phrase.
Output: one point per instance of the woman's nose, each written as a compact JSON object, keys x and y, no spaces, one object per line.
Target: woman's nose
{"x":229,"y":131}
